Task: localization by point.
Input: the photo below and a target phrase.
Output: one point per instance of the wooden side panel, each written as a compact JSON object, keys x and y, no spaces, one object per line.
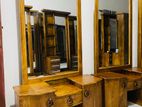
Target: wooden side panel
{"x":92,"y":95}
{"x":2,"y":95}
{"x":140,"y":33}
{"x":115,"y":93}
{"x":121,"y":31}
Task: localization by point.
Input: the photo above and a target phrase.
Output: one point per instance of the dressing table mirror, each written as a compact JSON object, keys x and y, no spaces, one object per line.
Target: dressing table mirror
{"x":51,"y":43}
{"x":113,"y":33}
{"x":51,"y":52}
{"x":113,"y":52}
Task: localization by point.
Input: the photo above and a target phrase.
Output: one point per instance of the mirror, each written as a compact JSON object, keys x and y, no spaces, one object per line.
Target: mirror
{"x":113,"y":33}
{"x":51,"y":36}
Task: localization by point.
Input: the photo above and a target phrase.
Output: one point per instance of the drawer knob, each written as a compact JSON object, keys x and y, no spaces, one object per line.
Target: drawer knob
{"x":124,"y":85}
{"x":50,"y":102}
{"x":70,"y":101}
{"x":86,"y":93}
{"x":135,"y":84}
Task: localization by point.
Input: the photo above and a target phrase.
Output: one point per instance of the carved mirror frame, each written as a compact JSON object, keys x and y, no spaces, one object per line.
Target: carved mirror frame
{"x":140,"y":33}
{"x":96,"y":41}
{"x":25,"y":78}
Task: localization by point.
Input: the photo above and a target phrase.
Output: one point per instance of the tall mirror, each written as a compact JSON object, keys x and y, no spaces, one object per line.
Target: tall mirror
{"x":51,"y":36}
{"x":113,"y":33}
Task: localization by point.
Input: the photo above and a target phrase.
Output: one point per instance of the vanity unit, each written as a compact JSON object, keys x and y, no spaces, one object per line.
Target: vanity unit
{"x":76,"y":91}
{"x":113,"y":53}
{"x":51,"y":63}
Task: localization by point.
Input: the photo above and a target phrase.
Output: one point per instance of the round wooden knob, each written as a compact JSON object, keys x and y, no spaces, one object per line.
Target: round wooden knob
{"x":86,"y":93}
{"x":124,"y":85}
{"x":70,"y":101}
{"x":135,"y":84}
{"x":50,"y":102}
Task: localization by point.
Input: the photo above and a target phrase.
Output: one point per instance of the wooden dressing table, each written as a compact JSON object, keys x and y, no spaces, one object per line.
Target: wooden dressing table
{"x":51,"y":63}
{"x":113,"y":54}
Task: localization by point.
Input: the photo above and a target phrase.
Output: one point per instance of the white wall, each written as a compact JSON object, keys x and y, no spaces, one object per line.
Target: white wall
{"x":61,"y":5}
{"x":10,"y":48}
{"x":11,"y":36}
{"x":135,"y":33}
{"x":88,"y":36}
{"x":115,"y":5}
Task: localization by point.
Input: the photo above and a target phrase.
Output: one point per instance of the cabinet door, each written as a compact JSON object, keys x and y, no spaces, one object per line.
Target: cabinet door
{"x":115,"y":91}
{"x":92,"y":95}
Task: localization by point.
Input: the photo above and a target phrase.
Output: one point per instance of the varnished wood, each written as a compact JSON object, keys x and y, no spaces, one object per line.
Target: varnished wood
{"x":114,"y":89}
{"x":96,"y":38}
{"x":139,"y":33}
{"x":66,"y":92}
{"x":23,"y":42}
{"x":91,"y":84}
{"x":2,"y":84}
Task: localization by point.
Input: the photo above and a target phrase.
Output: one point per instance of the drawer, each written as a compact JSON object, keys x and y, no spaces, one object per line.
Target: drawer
{"x":132,"y":85}
{"x":69,"y":101}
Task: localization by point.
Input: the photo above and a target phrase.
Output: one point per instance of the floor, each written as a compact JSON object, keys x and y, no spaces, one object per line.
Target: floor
{"x":133,"y":105}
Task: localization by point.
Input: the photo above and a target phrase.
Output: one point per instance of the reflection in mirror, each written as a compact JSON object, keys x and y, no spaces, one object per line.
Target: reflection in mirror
{"x":113,"y":32}
{"x":51,"y":36}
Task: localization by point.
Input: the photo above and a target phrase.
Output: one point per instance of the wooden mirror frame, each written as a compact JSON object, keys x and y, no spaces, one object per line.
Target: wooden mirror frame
{"x":96,"y":41}
{"x":25,"y":79}
{"x":139,"y":33}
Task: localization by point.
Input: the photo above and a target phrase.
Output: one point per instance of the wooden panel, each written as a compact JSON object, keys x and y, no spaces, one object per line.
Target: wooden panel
{"x":140,"y":33}
{"x":36,"y":101}
{"x":114,"y":89}
{"x":116,"y":96}
{"x":2,"y":89}
{"x":69,"y":101}
{"x":120,"y":18}
{"x":92,"y":89}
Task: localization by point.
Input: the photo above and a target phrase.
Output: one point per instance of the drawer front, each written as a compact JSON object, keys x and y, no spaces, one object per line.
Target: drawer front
{"x":37,"y":101}
{"x":132,"y":85}
{"x":69,"y":101}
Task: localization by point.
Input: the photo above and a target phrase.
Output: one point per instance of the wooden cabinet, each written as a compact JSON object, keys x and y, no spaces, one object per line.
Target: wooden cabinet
{"x":114,"y":89}
{"x":78,"y":91}
{"x":91,"y":88}
{"x":34,"y":95}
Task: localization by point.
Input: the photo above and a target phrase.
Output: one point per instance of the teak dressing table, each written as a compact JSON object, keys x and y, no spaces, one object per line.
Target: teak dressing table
{"x":113,"y":53}
{"x":52,"y":59}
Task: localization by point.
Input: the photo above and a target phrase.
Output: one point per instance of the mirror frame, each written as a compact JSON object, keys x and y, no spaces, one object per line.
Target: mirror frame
{"x":24,"y":69}
{"x":96,"y":41}
{"x":139,"y":33}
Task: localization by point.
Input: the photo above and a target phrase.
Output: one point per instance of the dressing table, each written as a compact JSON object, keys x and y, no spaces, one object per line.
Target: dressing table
{"x":113,"y":53}
{"x":51,"y":64}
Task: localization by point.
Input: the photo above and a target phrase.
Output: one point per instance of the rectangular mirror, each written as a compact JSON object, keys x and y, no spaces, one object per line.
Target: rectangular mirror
{"x":113,"y":32}
{"x":51,"y":31}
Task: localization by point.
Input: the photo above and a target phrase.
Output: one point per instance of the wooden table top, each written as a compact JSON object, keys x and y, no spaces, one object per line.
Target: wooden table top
{"x":33,"y":89}
{"x":85,"y":79}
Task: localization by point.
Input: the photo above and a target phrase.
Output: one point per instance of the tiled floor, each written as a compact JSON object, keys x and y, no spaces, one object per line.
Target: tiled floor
{"x":133,"y":105}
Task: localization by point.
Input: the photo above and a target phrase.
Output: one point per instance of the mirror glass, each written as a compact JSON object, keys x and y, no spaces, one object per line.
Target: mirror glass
{"x":113,"y":32}
{"x":51,"y":36}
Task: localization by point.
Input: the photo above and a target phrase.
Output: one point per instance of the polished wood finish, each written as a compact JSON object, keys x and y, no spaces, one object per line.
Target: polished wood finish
{"x":2,"y":89}
{"x":80,"y":91}
{"x":114,"y":89}
{"x":92,"y":90}
{"x":139,"y":33}
{"x":25,"y":78}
